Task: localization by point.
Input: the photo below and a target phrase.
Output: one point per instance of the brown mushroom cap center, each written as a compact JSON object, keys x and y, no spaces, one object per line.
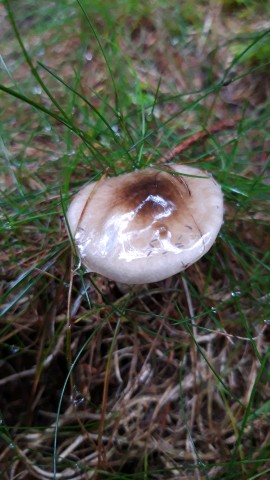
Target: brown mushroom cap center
{"x":152,"y":198}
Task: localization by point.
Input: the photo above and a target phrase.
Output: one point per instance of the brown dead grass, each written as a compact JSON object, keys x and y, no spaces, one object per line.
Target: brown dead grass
{"x":157,"y":395}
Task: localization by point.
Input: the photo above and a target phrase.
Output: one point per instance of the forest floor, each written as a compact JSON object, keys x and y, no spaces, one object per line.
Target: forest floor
{"x":168,"y":380}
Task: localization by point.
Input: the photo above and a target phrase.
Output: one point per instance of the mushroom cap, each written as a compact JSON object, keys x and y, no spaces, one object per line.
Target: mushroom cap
{"x":146,"y":225}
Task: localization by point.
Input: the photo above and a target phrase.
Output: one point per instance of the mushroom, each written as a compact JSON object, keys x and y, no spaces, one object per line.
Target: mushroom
{"x":146,"y":225}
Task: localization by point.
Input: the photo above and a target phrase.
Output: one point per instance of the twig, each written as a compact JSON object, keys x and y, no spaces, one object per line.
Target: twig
{"x":218,"y":127}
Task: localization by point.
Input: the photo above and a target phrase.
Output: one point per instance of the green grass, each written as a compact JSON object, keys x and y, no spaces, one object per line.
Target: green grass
{"x":167,"y":380}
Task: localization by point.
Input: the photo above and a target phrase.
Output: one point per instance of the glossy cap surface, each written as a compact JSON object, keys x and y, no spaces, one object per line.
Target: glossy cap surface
{"x":147,"y":225}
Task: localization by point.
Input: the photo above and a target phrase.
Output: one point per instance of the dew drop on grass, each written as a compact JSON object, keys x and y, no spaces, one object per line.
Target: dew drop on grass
{"x":213,"y":310}
{"x":37,"y":90}
{"x":78,"y":401}
{"x":14,"y":349}
{"x":54,"y":158}
{"x":174,"y":41}
{"x":47,"y":128}
{"x":71,"y":152}
{"x":7,"y":225}
{"x":88,"y":56}
{"x":115,"y":129}
{"x":78,"y":398}
{"x":41,"y":52}
{"x":235,"y":293}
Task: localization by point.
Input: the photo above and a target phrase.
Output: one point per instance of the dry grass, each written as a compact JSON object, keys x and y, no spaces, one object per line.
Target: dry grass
{"x":167,"y":380}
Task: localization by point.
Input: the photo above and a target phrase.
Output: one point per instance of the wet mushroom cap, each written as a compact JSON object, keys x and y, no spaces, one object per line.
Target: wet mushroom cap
{"x":147,"y":225}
